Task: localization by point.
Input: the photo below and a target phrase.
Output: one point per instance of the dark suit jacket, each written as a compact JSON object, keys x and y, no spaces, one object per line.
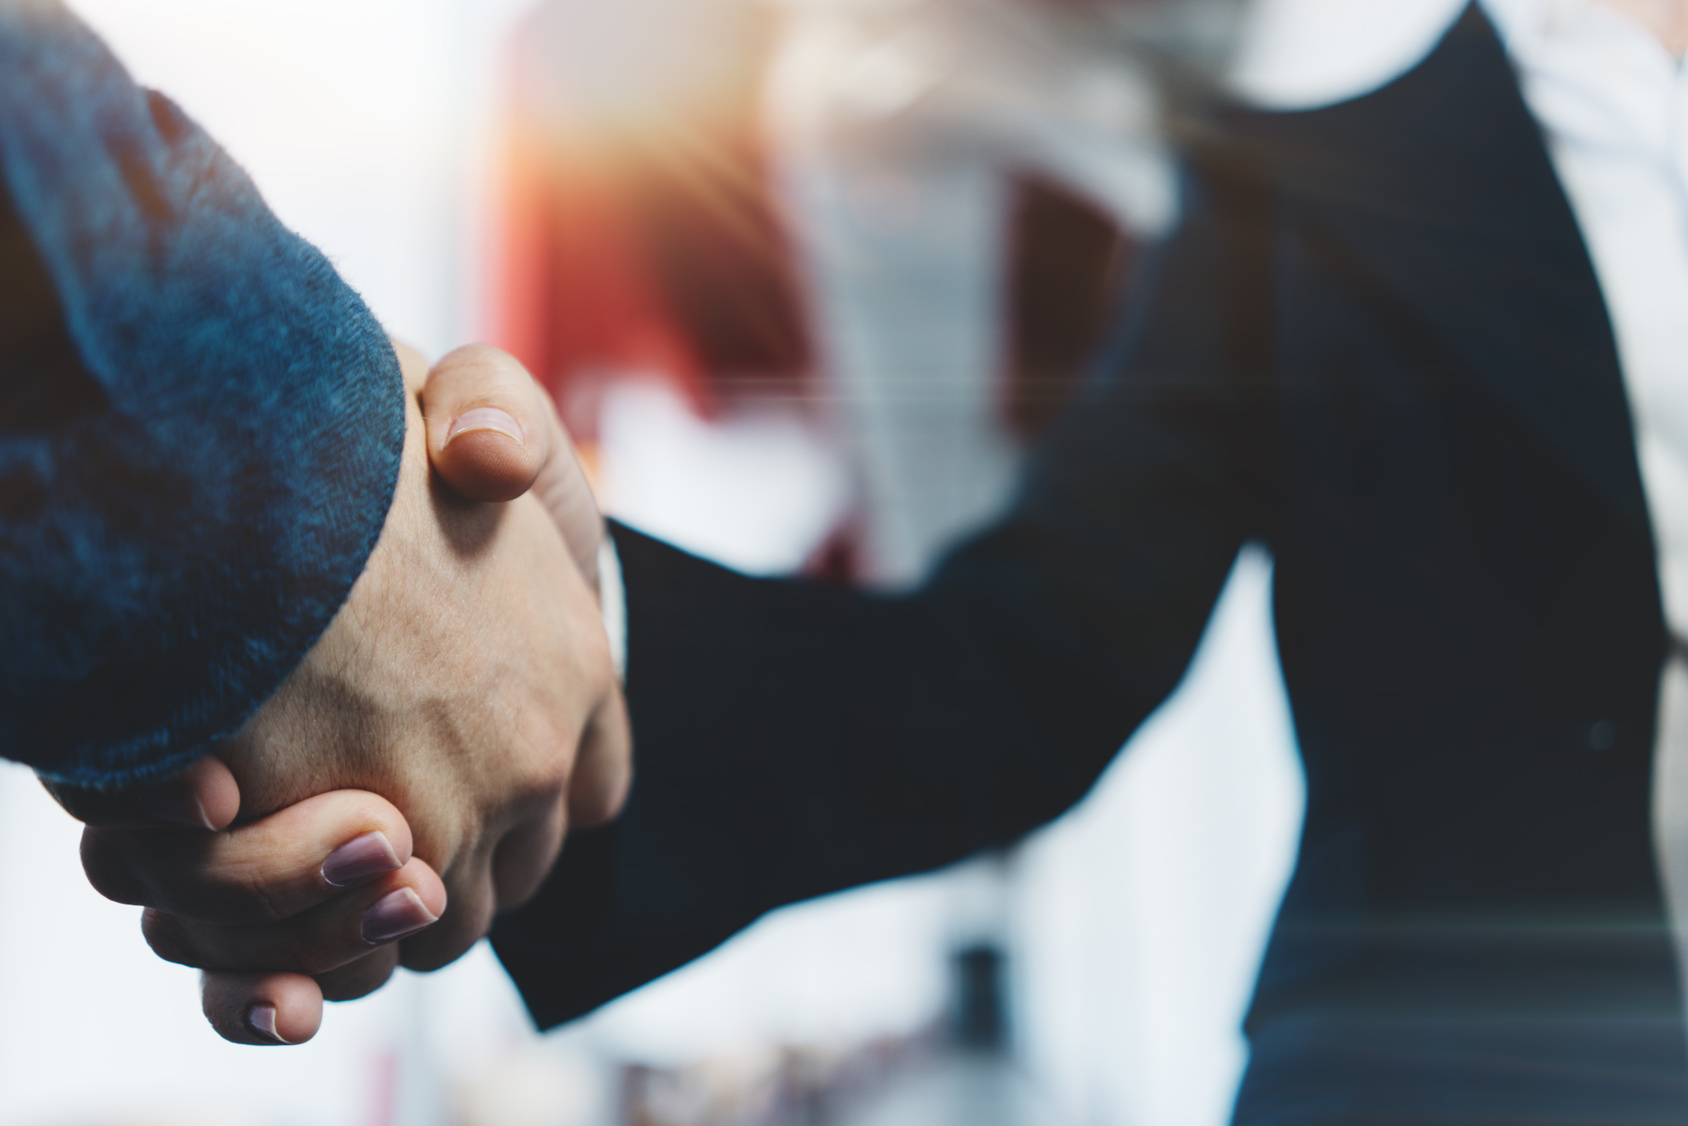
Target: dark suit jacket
{"x":1377,"y":344}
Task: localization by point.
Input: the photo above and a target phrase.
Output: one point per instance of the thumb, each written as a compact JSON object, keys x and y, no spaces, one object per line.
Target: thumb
{"x":489,"y":429}
{"x":494,"y":434}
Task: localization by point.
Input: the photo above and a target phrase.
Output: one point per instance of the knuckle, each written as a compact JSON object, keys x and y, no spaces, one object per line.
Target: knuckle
{"x":107,"y":865}
{"x":437,"y":947}
{"x":304,"y":954}
{"x":168,"y":939}
{"x":259,"y":900}
{"x":593,"y":805}
{"x":359,"y":978}
{"x":542,"y":795}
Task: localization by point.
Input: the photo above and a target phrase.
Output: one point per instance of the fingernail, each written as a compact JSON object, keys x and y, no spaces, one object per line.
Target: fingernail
{"x":360,"y":858}
{"x":395,"y":915}
{"x":176,"y":803}
{"x":485,"y":418}
{"x":261,"y":1018}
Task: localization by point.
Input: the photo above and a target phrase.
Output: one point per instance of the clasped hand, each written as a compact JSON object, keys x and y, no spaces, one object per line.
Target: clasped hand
{"x":418,"y":771}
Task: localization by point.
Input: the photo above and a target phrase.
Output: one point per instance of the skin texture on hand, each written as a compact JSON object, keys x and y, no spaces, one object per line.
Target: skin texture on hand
{"x":470,"y":446}
{"x":466,"y":667}
{"x":467,"y":682}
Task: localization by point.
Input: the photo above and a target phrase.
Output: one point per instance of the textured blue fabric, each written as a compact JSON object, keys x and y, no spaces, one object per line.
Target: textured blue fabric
{"x":200,"y":424}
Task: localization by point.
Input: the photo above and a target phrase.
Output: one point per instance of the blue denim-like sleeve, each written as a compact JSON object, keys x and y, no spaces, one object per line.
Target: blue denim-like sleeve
{"x":200,"y":423}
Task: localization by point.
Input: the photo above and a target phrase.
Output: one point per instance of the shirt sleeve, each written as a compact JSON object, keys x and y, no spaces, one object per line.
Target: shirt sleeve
{"x":200,"y":423}
{"x":612,"y":604}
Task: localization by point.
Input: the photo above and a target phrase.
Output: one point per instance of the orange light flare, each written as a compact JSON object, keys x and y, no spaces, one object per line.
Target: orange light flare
{"x":637,"y":238}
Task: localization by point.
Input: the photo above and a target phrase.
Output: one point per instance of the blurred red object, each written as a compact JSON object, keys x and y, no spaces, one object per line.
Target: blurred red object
{"x":643,"y":239}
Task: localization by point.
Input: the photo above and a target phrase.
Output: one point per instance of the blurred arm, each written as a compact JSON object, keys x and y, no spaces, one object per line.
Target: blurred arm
{"x":796,"y":739}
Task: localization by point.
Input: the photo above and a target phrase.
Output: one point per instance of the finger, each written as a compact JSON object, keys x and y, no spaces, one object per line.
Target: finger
{"x":333,"y":935}
{"x":603,"y":771}
{"x":204,"y":796}
{"x":468,"y":920}
{"x":362,"y":977}
{"x":489,"y":427}
{"x":271,"y":869}
{"x":562,"y":487}
{"x":268,"y":1008}
{"x":525,"y":856}
{"x":482,"y":461}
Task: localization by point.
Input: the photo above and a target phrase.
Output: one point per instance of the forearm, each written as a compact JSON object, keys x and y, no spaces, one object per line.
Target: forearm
{"x":201,"y":425}
{"x":794,"y":739}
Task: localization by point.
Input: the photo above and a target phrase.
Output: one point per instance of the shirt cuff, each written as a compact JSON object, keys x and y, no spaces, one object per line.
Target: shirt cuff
{"x":612,"y":603}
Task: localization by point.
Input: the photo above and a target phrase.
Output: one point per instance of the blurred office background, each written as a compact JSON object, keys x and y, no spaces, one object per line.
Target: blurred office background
{"x":806,"y":277}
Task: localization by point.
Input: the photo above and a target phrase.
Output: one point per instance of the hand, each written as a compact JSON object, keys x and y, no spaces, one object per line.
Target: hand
{"x":152,"y":847}
{"x":474,"y":399}
{"x":465,"y":669}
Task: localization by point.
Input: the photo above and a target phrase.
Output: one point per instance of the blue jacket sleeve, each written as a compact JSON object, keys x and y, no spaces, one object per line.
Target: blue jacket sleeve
{"x":200,"y":423}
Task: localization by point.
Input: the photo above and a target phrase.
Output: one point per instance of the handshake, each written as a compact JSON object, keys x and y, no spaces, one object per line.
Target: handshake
{"x":418,"y":772}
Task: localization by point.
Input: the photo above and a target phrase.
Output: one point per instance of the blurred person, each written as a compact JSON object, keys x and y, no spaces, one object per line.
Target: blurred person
{"x":232,"y":583}
{"x":967,"y":183}
{"x":944,"y":197}
{"x":1416,"y":331}
{"x":1378,"y":342}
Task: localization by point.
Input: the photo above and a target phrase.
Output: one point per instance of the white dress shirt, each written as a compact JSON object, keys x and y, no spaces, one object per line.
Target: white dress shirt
{"x":1612,"y":103}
